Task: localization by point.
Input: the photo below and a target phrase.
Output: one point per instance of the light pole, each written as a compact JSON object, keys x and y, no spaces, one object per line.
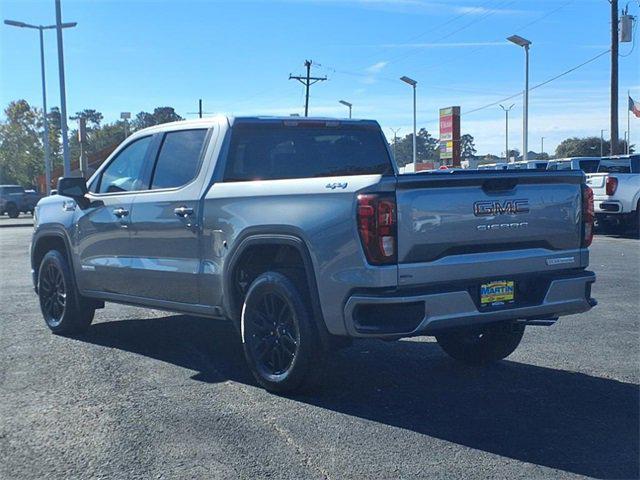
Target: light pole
{"x":63,"y":96}
{"x":413,"y":83}
{"x":523,"y":42}
{"x":602,"y":142}
{"x":506,"y":130}
{"x":45,"y":121}
{"x":347,"y":104}
{"x":541,"y":145}
{"x":125,"y":116}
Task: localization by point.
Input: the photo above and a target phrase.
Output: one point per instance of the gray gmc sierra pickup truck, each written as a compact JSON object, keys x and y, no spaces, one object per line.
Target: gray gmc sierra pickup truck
{"x":302,"y":233}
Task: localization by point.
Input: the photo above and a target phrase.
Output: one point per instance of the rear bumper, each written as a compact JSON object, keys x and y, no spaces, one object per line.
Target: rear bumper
{"x":608,"y":207}
{"x":428,"y":313}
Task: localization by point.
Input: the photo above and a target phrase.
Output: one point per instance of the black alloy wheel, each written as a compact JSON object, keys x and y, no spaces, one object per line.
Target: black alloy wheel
{"x":271,"y":333}
{"x":64,"y":310}
{"x":279,"y":334}
{"x":53,"y":294}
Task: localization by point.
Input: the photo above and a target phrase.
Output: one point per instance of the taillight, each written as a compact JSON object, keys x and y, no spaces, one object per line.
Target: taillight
{"x":587,"y":216}
{"x":377,"y":227}
{"x":611,"y":185}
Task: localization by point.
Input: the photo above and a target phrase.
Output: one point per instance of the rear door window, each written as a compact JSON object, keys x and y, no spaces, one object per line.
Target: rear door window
{"x":589,"y":166}
{"x":277,"y":151}
{"x":179,"y":158}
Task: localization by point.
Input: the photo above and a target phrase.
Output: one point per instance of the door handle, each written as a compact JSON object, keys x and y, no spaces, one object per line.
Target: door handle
{"x":120,"y":212}
{"x":183,"y":212}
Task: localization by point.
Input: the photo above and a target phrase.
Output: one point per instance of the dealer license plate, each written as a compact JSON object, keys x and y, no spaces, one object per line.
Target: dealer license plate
{"x":497,"y":292}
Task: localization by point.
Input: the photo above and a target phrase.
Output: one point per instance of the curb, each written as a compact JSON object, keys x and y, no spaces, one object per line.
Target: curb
{"x":14,"y":225}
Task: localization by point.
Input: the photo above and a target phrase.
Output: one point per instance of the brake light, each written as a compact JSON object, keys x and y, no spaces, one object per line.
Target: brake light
{"x":377,"y":226}
{"x":587,"y":216}
{"x":611,"y":185}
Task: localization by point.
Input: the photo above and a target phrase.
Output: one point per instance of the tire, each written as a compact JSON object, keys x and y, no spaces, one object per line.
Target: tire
{"x":63,"y":309}
{"x":481,"y":346}
{"x":280,"y":341}
{"x":12,"y":211}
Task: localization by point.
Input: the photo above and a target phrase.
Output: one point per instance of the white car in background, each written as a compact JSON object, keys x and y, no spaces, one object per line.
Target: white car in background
{"x":492,"y":166}
{"x":616,"y":191}
{"x":586,"y":164}
{"x":528,"y":165}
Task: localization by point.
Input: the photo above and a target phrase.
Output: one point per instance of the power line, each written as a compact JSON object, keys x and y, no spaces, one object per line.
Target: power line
{"x":435,"y":29}
{"x":432,"y":66}
{"x":485,"y":15}
{"x":566,"y":72}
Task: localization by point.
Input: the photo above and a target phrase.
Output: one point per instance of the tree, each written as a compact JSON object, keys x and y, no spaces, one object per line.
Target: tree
{"x":159,"y":115}
{"x":513,"y":153}
{"x":467,"y":146}
{"x":586,"y":147}
{"x":580,"y":147}
{"x":21,"y":153}
{"x":426,"y":148}
{"x":92,"y":117}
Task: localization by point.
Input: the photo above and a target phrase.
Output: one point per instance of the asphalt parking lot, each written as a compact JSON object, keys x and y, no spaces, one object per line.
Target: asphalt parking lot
{"x":146,"y":394}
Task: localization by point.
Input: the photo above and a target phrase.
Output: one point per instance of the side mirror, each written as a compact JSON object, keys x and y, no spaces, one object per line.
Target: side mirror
{"x":73,"y":187}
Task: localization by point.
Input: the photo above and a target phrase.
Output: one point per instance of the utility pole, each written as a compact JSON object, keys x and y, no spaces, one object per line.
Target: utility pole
{"x":628,"y":124}
{"x":506,"y":130}
{"x":395,"y":141}
{"x":307,"y":81}
{"x":614,"y":77}
{"x":200,"y":111}
{"x":82,"y":139}
{"x":602,"y":142}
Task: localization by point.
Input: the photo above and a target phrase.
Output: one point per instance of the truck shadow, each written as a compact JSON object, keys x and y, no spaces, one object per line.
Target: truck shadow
{"x":564,"y":420}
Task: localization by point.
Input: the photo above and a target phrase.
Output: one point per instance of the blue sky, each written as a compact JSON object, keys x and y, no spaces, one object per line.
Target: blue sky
{"x":237,"y":56}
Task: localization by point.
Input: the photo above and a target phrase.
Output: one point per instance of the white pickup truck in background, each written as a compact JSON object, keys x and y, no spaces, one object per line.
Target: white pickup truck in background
{"x":616,"y":191}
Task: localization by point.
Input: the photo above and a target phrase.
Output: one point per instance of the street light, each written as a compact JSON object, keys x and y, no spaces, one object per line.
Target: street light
{"x":45,"y":140}
{"x":523,"y":42}
{"x":506,"y":130}
{"x":347,"y":104}
{"x":63,"y":94}
{"x":413,"y":83}
{"x":602,"y":142}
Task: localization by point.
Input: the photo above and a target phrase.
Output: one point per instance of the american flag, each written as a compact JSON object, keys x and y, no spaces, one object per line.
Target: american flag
{"x":634,"y":107}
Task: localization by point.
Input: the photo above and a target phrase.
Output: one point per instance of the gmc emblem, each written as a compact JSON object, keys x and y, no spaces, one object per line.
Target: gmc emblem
{"x":496,"y":207}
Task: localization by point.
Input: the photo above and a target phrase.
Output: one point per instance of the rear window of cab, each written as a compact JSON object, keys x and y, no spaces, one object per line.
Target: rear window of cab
{"x":279,"y":151}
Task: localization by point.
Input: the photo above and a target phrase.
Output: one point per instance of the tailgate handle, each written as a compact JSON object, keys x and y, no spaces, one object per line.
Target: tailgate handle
{"x":499,"y":184}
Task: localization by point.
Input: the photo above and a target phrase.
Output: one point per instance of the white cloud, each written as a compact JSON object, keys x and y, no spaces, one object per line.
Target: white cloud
{"x":411,"y":7}
{"x":376,"y":67}
{"x":442,"y":45}
{"x":487,"y":11}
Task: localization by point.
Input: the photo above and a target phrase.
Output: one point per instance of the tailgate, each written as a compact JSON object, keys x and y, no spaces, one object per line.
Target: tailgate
{"x":461,"y":225}
{"x":597,"y":183}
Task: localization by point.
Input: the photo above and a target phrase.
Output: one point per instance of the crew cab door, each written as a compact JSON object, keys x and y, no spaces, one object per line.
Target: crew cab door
{"x":102,"y":229}
{"x":165,"y":220}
